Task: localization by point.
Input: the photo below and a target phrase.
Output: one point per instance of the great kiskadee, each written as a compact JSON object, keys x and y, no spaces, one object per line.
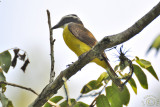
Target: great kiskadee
{"x":80,"y":40}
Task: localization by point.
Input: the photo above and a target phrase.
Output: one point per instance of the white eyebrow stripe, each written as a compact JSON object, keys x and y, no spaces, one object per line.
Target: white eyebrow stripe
{"x":73,"y":16}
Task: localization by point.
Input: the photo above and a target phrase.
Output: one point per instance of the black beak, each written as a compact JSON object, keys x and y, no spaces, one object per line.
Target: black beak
{"x":55,"y":27}
{"x":58,"y":25}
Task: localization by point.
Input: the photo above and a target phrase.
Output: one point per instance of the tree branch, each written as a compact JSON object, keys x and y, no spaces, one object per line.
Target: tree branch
{"x":19,"y":86}
{"x":106,"y":42}
{"x":52,"y":73}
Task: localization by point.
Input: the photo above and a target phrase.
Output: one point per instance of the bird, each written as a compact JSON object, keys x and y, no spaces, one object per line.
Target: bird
{"x":80,"y":40}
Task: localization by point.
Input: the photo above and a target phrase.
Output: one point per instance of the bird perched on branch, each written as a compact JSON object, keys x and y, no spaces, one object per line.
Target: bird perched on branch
{"x":80,"y":40}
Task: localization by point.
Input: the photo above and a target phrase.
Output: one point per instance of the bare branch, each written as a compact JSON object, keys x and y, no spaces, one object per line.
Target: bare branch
{"x":19,"y":86}
{"x":106,"y":42}
{"x":52,"y":73}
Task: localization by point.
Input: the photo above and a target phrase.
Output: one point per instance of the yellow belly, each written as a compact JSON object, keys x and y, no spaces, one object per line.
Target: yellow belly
{"x":78,"y":47}
{"x":73,"y":43}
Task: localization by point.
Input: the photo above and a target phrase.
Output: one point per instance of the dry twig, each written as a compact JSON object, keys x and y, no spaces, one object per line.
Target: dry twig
{"x":52,"y":73}
{"x":19,"y":86}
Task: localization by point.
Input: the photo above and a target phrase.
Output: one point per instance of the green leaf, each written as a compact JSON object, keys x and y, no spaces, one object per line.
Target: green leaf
{"x":54,"y":100}
{"x":155,"y":44}
{"x":103,"y":76}
{"x":65,"y":103}
{"x":102,"y":101}
{"x":5,"y":101}
{"x":141,"y":76}
{"x":147,"y":65}
{"x":116,"y":97}
{"x":152,"y":71}
{"x":2,"y":78}
{"x":124,"y":94}
{"x":81,"y":104}
{"x":92,"y":85}
{"x":5,"y":60}
{"x":133,"y":85}
{"x":143,"y":63}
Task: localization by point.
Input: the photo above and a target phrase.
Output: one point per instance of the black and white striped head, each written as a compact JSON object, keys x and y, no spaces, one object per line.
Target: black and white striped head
{"x":66,"y":20}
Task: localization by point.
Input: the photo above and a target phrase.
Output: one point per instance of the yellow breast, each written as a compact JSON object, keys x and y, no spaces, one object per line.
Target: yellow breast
{"x":73,"y":43}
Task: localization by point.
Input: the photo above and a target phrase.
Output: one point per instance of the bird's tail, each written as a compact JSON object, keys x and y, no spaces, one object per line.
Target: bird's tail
{"x":103,"y":62}
{"x":111,"y":72}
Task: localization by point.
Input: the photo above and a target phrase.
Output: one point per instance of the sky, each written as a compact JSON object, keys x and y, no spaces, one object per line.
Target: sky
{"x":23,"y":24}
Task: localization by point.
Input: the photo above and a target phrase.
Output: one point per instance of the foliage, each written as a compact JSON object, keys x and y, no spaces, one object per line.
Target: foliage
{"x":155,"y":45}
{"x":92,"y":85}
{"x":147,"y":65}
{"x":112,"y":92}
{"x":5,"y":101}
{"x":102,"y":101}
{"x":5,"y":63}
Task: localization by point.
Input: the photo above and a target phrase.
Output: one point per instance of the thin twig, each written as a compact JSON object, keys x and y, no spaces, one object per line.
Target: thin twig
{"x":19,"y":86}
{"x":94,"y":102}
{"x":52,"y":73}
{"x":26,"y":88}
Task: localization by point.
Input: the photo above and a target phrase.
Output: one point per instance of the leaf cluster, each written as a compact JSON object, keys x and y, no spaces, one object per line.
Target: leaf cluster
{"x":5,"y":63}
{"x":112,"y":92}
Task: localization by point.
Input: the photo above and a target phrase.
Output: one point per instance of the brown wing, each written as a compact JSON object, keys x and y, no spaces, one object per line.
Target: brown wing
{"x":84,"y":35}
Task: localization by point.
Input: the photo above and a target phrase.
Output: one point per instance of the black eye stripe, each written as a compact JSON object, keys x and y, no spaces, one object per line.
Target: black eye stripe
{"x":70,"y":19}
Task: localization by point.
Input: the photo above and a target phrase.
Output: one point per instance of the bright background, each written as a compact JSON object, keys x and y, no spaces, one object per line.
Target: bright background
{"x":23,"y":24}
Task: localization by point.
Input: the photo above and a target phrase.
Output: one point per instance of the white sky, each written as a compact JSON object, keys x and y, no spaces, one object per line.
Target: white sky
{"x":23,"y":24}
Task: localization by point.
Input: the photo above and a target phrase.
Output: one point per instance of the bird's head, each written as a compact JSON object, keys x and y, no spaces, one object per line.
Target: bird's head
{"x":66,"y":20}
